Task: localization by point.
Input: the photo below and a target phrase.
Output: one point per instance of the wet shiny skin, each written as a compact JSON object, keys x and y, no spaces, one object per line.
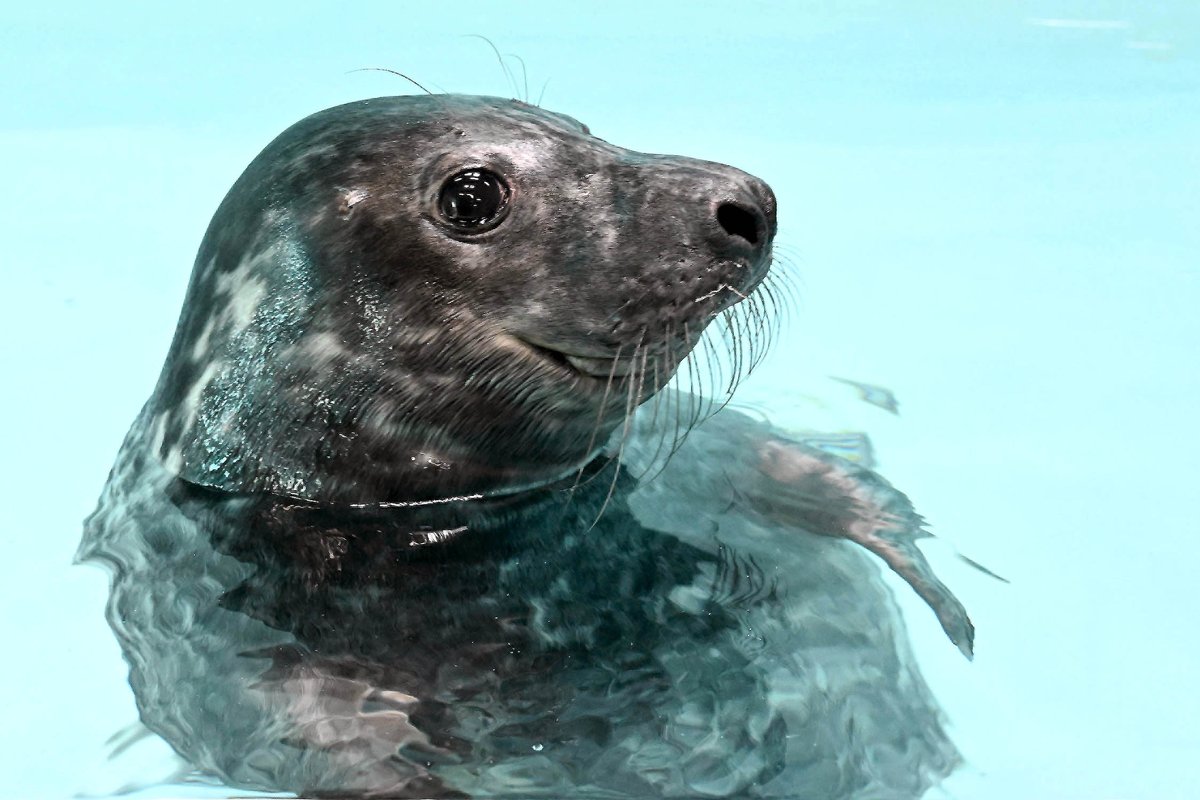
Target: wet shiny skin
{"x":304,"y":609}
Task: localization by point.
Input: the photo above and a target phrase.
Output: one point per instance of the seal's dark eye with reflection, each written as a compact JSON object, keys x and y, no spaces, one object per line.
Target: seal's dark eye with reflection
{"x":473,"y":200}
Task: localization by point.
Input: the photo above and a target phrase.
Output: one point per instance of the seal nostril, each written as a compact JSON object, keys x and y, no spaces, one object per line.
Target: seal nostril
{"x":737,"y":221}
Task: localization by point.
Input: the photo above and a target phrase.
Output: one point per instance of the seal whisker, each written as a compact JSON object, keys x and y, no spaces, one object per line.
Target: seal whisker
{"x":660,"y":398}
{"x":695,"y":404}
{"x":785,"y":276}
{"x":683,"y":413}
{"x":729,"y":335}
{"x":733,"y":290}
{"x":761,"y":320}
{"x":726,"y":356}
{"x":512,"y":82}
{"x":757,"y":333}
{"x":728,"y":378}
{"x":742,"y":339}
{"x":711,"y":368}
{"x":732,"y":355}
{"x":392,"y":72}
{"x":766,"y":304}
{"x":714,"y":368}
{"x":778,"y":312}
{"x":627,"y":424}
{"x":744,"y":342}
{"x":635,"y":384}
{"x":779,"y":277}
{"x":674,"y":431}
{"x":719,"y":368}
{"x":677,"y":398}
{"x":696,"y":379}
{"x":777,"y":287}
{"x":524,"y":76}
{"x":658,"y":401}
{"x":761,"y":326}
{"x":669,"y":377}
{"x":684,"y":368}
{"x":770,"y":332}
{"x":642,"y":370}
{"x":599,"y":424}
{"x":747,"y":326}
{"x":781,"y":317}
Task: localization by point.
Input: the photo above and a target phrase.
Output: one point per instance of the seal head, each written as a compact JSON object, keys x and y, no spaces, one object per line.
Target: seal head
{"x":412,"y":298}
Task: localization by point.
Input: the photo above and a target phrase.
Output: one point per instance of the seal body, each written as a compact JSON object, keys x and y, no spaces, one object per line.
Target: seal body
{"x":388,"y":525}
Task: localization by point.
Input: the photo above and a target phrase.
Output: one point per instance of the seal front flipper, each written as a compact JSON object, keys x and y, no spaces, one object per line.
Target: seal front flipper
{"x":805,"y":487}
{"x":732,"y":463}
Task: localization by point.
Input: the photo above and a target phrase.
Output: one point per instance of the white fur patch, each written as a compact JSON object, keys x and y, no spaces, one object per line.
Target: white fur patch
{"x":200,"y":348}
{"x":186,"y":413}
{"x":323,"y":346}
{"x":158,"y":431}
{"x":244,"y":289}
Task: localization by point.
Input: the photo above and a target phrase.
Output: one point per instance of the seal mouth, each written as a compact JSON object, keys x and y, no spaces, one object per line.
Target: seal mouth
{"x":600,"y":368}
{"x":611,"y":367}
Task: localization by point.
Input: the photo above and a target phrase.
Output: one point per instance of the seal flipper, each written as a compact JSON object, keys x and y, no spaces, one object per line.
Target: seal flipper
{"x":805,"y":487}
{"x":788,"y":482}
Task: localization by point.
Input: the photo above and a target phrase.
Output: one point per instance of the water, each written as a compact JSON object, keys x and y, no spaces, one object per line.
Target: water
{"x":992,"y":212}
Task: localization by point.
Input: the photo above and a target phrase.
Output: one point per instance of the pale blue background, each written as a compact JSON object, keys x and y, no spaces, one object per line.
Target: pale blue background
{"x":993,"y":210}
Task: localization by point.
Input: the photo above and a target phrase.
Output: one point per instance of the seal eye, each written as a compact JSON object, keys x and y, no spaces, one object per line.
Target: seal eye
{"x":473,"y":200}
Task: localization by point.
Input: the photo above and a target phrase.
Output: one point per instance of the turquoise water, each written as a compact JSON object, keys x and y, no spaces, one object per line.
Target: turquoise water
{"x":992,"y":212}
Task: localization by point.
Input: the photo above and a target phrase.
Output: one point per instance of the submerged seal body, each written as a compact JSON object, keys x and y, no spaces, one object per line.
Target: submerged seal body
{"x":390,"y":524}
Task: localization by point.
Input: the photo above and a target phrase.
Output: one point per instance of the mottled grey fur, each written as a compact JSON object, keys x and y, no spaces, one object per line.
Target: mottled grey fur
{"x":371,"y":535}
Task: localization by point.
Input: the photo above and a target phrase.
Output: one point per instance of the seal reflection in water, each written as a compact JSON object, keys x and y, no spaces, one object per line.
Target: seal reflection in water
{"x":371,"y":535}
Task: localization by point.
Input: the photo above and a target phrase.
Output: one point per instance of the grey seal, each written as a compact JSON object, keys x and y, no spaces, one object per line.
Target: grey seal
{"x":396,"y":522}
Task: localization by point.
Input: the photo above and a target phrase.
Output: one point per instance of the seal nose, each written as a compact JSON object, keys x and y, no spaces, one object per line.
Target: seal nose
{"x":749,"y":219}
{"x":739,"y":221}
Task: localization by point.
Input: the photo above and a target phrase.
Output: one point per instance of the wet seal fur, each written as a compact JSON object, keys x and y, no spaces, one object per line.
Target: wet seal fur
{"x":371,"y":535}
